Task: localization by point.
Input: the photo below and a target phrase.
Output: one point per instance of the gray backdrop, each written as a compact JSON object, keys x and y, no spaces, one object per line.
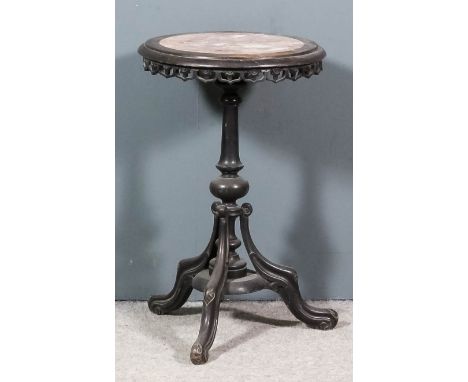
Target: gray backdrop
{"x":296,"y":145}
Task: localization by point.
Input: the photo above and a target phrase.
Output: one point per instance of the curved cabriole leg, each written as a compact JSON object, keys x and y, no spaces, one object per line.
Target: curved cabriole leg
{"x":186,"y":270}
{"x":283,"y":280}
{"x":212,"y":298}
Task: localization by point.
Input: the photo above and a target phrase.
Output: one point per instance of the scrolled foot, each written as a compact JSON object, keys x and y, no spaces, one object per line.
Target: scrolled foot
{"x":333,"y":315}
{"x":212,"y":298}
{"x":197,"y":355}
{"x":186,"y":270}
{"x":163,"y":304}
{"x":156,"y":305}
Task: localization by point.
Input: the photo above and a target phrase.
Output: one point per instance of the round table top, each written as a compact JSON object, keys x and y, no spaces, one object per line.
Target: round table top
{"x":232,"y":44}
{"x":232,"y":56}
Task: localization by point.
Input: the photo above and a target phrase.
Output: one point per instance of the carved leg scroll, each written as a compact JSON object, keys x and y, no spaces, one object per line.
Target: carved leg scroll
{"x":186,"y":270}
{"x":212,"y":296}
{"x":283,"y":280}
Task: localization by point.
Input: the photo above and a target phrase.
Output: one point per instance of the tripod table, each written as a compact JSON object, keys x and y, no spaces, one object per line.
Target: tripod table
{"x":231,"y":60}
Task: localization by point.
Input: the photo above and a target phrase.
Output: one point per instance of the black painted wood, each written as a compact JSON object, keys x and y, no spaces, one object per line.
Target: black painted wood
{"x":219,"y":269}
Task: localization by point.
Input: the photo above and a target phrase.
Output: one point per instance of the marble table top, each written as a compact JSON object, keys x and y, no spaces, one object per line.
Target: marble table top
{"x":233,"y":44}
{"x":232,"y":57}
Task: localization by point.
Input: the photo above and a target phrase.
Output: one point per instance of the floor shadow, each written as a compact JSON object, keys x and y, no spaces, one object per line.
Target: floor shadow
{"x":238,"y":314}
{"x":181,"y":348}
{"x":342,"y":324}
{"x":254,"y":317}
{"x":239,"y":339}
{"x":187,"y":311}
{"x":259,"y":324}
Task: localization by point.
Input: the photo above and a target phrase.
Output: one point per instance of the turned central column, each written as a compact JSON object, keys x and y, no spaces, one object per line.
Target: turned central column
{"x":229,"y":186}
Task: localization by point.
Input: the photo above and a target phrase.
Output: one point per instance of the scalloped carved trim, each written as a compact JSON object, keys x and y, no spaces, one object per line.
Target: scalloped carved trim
{"x":232,"y":76}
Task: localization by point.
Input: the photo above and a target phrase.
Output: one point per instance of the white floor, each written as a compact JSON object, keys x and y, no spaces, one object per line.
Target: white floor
{"x":255,"y":341}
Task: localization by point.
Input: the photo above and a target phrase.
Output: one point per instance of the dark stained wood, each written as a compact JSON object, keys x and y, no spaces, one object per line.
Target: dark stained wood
{"x":219,"y":269}
{"x":208,"y":67}
{"x":152,"y":49}
{"x":284,"y":281}
{"x":213,"y":294}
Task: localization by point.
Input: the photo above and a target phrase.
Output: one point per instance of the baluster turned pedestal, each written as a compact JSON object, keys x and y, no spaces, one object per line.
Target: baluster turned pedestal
{"x":230,"y":60}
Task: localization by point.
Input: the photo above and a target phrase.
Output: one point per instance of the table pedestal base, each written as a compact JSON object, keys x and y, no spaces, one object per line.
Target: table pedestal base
{"x":194,"y":273}
{"x":218,"y":270}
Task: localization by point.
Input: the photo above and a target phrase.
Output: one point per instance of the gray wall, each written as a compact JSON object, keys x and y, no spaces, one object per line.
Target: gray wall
{"x":296,"y":145}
